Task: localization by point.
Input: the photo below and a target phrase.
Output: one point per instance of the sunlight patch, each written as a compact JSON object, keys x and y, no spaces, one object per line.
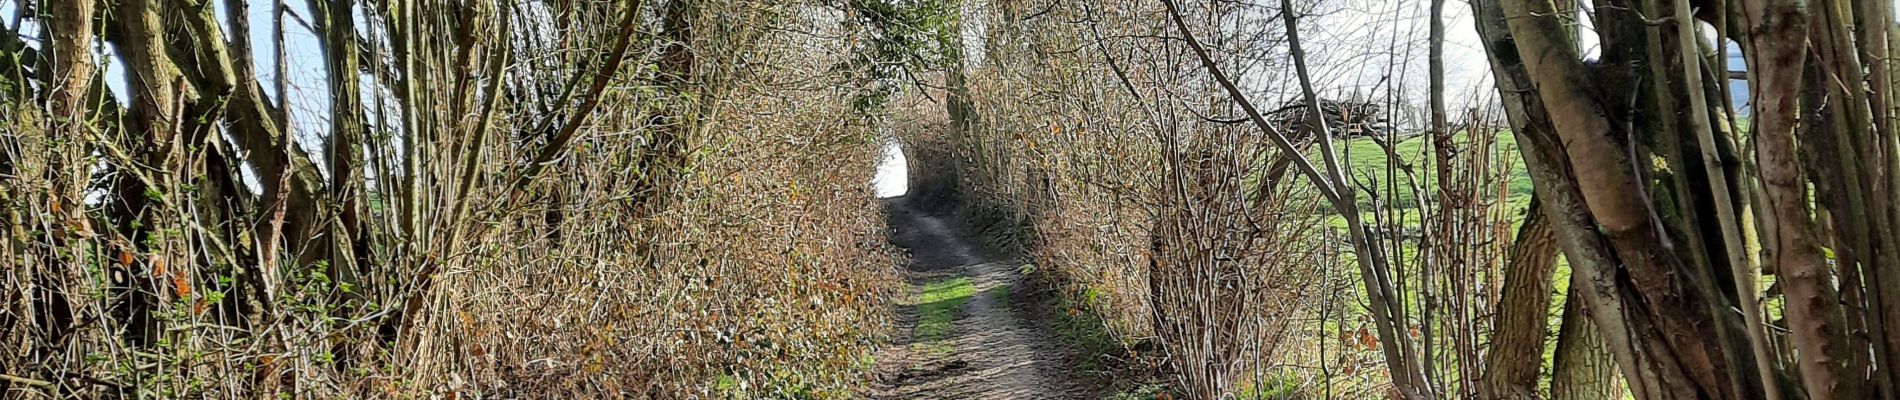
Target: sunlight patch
{"x":893,"y":172}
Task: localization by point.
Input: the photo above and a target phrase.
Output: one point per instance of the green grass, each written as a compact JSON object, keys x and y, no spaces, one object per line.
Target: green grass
{"x":1370,"y":166}
{"x":937,"y":310}
{"x":781,"y":383}
{"x":1076,"y":325}
{"x":1275,"y":386}
{"x":1369,"y":162}
{"x":1142,"y":392}
{"x":1000,"y":295}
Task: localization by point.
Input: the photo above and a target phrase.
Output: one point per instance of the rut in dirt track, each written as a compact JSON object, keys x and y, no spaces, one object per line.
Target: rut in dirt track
{"x":995,"y":348}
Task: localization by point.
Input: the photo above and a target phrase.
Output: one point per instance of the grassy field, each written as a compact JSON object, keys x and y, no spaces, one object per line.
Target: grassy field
{"x":1370,"y":163}
{"x":1373,"y":168}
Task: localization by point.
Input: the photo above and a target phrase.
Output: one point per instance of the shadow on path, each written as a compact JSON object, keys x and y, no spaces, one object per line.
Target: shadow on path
{"x":962,"y":337}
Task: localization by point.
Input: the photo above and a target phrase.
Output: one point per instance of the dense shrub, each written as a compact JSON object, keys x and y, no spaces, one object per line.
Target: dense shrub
{"x":659,"y":199}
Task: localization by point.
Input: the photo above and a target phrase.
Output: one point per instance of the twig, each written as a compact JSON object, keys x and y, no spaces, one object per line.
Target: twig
{"x":26,"y":381}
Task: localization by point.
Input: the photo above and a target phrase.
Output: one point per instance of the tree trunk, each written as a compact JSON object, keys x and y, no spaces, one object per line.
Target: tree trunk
{"x":1517,"y":343}
{"x":72,"y":65}
{"x":1675,"y":331}
{"x":1559,"y":201}
{"x":676,"y":122}
{"x":1583,"y":369}
{"x":1780,"y":53}
{"x":346,"y":235}
{"x":147,"y":160}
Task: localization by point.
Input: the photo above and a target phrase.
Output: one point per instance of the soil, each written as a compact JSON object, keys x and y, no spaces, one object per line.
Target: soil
{"x":996,"y":348}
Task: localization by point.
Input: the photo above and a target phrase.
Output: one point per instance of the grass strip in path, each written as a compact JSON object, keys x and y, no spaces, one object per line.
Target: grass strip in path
{"x":937,"y":309}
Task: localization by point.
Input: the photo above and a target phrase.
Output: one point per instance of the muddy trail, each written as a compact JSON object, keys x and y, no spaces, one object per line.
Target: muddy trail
{"x":965,"y":332}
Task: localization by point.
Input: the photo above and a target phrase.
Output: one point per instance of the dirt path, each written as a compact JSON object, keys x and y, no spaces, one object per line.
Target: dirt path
{"x":964,"y":338}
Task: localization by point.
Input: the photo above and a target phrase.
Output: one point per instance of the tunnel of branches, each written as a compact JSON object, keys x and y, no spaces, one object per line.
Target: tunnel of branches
{"x":1498,"y":199}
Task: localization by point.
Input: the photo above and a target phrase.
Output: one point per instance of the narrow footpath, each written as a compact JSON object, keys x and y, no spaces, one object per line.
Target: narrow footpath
{"x":963,"y":335}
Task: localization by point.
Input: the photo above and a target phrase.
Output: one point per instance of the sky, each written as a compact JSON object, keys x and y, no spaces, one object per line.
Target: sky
{"x":1348,"y":42}
{"x":1364,"y":30}
{"x":309,"y":102}
{"x":1376,"y":24}
{"x":893,"y":172}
